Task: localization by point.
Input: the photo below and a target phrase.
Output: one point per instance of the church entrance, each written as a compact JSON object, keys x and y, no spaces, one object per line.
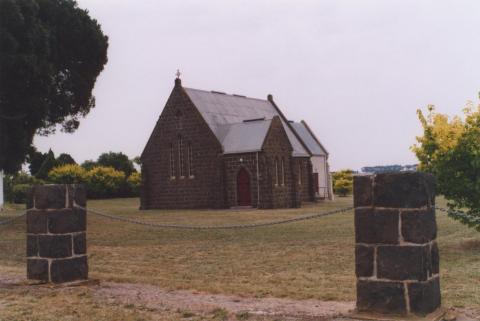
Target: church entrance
{"x":243,"y":188}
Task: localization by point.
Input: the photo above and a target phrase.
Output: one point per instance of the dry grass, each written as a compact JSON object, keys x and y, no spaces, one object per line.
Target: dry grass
{"x":311,"y":259}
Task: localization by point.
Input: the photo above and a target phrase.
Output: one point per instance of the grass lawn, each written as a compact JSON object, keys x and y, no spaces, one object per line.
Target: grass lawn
{"x":310,"y":259}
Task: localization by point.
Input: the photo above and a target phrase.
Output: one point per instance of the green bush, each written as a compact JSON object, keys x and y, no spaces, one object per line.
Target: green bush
{"x":19,"y":193}
{"x":134,"y":181}
{"x":104,"y":182}
{"x":343,"y":186}
{"x":15,"y":186}
{"x":68,"y":174}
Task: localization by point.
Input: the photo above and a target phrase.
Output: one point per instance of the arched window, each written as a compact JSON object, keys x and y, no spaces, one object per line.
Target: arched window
{"x":190,"y":160}
{"x":276,"y":171}
{"x":300,"y":173}
{"x":181,"y":159}
{"x":172,"y":162}
{"x":283,"y":172}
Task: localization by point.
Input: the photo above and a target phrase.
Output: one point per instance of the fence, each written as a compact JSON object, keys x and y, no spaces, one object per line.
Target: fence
{"x":371,"y":286}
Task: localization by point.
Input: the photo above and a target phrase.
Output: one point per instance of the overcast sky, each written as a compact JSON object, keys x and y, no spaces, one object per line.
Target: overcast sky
{"x":356,"y":71}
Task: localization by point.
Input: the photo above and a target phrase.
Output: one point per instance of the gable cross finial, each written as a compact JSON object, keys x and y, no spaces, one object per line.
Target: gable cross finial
{"x":178,"y":73}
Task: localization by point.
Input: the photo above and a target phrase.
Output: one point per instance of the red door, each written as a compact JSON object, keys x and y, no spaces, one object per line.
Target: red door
{"x":243,"y":188}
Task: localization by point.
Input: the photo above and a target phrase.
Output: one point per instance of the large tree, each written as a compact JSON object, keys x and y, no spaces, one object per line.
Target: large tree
{"x":51,"y":53}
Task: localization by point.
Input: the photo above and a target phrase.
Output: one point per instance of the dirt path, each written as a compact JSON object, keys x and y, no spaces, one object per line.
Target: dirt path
{"x":155,"y":298}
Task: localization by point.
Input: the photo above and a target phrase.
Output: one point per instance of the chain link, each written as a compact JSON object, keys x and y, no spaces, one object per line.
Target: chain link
{"x":211,"y":227}
{"x":13,"y":219}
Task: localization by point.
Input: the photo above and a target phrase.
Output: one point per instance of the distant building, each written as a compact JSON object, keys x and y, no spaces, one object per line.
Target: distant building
{"x":213,"y":150}
{"x":390,"y":168}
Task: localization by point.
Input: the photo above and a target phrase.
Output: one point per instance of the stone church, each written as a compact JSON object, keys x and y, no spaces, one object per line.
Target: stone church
{"x":213,"y":150}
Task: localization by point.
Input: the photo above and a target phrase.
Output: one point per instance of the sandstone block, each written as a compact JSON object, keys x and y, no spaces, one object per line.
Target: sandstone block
{"x":404,"y":190}
{"x":424,"y":296}
{"x":381,"y":297}
{"x":67,"y":220}
{"x":419,"y":226}
{"x":375,"y":226}
{"x":32,"y":245}
{"x":55,"y":246}
{"x":68,"y":270}
{"x":364,"y":256}
{"x":403,"y":262}
{"x":362,"y":191}
{"x":80,"y":244}
{"x":37,"y":221}
{"x":77,"y":195}
{"x":49,"y":196}
{"x":37,"y":269}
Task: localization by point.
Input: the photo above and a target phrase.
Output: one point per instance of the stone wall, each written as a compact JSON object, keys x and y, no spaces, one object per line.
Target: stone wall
{"x":213,"y":183}
{"x":277,"y":146}
{"x":203,"y":189}
{"x":56,"y":234}
{"x":305,"y":188}
{"x":233,"y":164}
{"x":396,"y":253}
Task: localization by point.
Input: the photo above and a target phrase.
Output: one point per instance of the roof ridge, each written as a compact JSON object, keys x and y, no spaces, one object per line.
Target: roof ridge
{"x":246,"y":122}
{"x":216,"y":92}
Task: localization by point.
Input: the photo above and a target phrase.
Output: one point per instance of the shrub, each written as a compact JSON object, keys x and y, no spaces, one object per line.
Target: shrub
{"x":17,"y":185}
{"x":134,"y":181}
{"x":67,"y":174}
{"x":343,"y":182}
{"x":343,"y":186}
{"x":19,"y":193}
{"x":104,"y":182}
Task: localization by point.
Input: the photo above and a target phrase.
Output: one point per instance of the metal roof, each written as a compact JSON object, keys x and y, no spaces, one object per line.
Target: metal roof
{"x":244,"y":137}
{"x":219,"y":109}
{"x":307,"y":137}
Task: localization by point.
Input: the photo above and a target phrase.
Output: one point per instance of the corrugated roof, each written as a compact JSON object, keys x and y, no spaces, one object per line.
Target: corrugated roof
{"x":243,"y":137}
{"x":220,"y":109}
{"x":308,"y":139}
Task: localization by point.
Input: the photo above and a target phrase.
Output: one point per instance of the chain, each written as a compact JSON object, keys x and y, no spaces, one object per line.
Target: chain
{"x":211,"y":227}
{"x":13,"y":219}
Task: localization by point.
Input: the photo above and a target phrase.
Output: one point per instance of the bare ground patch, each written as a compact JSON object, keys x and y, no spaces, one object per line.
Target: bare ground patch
{"x":156,"y":298}
{"x":156,"y":303}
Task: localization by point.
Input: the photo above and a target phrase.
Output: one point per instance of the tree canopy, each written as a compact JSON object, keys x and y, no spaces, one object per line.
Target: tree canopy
{"x":118,"y":161}
{"x":65,"y":159}
{"x":51,"y":53}
{"x":450,"y":149}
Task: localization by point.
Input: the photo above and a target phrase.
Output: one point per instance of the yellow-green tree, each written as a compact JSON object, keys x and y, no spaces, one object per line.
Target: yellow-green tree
{"x":450,"y":149}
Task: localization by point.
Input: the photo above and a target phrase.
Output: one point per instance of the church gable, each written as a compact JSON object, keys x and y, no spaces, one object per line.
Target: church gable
{"x":178,"y":114}
{"x":181,"y":167}
{"x":276,"y":140}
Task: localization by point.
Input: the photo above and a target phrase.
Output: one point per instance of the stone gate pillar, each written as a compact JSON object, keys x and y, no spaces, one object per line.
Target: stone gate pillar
{"x":396,"y":253}
{"x":56,"y":234}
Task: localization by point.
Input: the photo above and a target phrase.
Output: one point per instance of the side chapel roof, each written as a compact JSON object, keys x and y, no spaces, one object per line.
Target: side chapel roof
{"x":309,"y":138}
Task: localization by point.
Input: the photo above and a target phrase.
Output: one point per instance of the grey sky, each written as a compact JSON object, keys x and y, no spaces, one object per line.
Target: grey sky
{"x":356,"y":71}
